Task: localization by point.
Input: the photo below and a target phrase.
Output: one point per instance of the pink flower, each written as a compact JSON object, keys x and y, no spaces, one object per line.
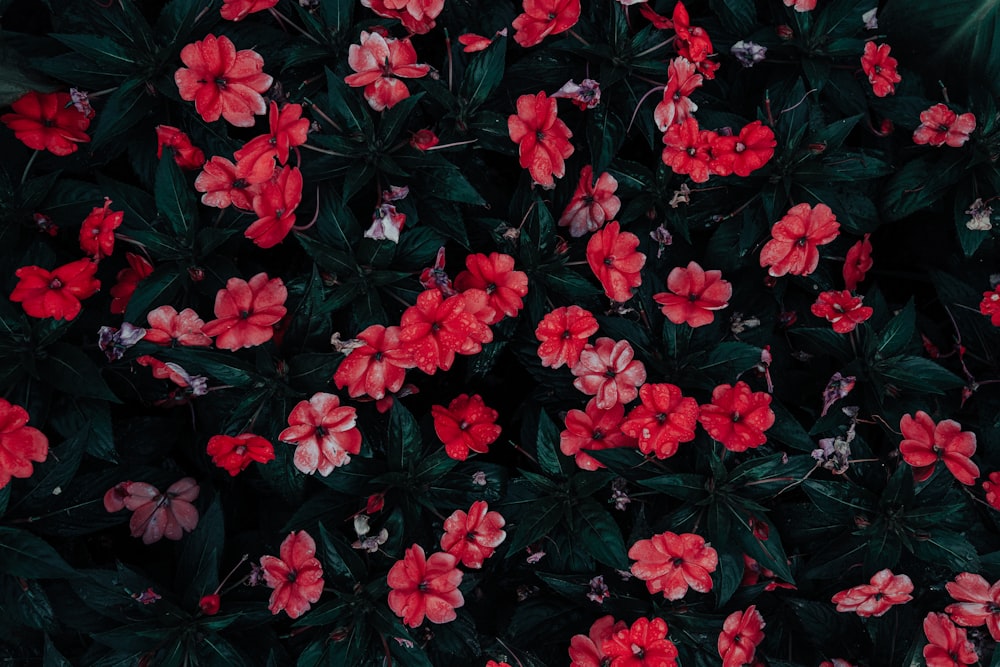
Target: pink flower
{"x":876,"y":597}
{"x":940,"y":125}
{"x":296,"y":577}
{"x":592,"y":204}
{"x":425,"y":587}
{"x":473,"y":537}
{"x":325,"y":434}
{"x":672,"y":563}
{"x":157,"y":515}
{"x":978,"y":602}
{"x":676,"y":106}
{"x":924,"y":444}
{"x":167,"y":326}
{"x":609,"y":371}
{"x":694,"y":295}
{"x":380,"y":63}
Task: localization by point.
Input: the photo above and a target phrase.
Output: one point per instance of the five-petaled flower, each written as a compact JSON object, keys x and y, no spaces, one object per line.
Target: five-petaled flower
{"x":47,"y":121}
{"x":296,"y":575}
{"x":612,"y":256}
{"x":563,"y":334}
{"x":645,"y":644}
{"x":978,"y":603}
{"x":157,"y":515}
{"x":186,"y":154}
{"x":670,"y":564}
{"x":857,"y":263}
{"x":947,"y":645}
{"x":222,"y":187}
{"x":467,"y":424}
{"x":609,"y":371}
{"x":795,"y":239}
{"x":665,"y":419}
{"x":275,"y":206}
{"x":417,"y":16}
{"x":246,"y":312}
{"x":939,"y":125}
{"x":744,"y":153}
{"x":542,"y":139}
{"x":990,"y":306}
{"x":379,"y":64}
{"x":694,"y":295}
{"x":473,"y":537}
{"x":235,"y":453}
{"x":741,"y":632}
{"x":880,"y":68}
{"x":325,"y":434}
{"x":588,"y":650}
{"x":925,"y":443}
{"x":495,"y":275}
{"x":97,"y":233}
{"x":425,"y":587}
{"x":737,"y":416}
{"x":55,"y":293}
{"x":676,"y":106}
{"x":593,"y":429}
{"x":435,"y":329}
{"x":842,"y":309}
{"x":542,"y":18}
{"x":592,"y":204}
{"x":255,"y":161}
{"x":875,"y":598}
{"x":377,"y":366}
{"x":20,"y":444}
{"x":167,"y":327}
{"x":222,"y":81}
{"x":688,"y":149}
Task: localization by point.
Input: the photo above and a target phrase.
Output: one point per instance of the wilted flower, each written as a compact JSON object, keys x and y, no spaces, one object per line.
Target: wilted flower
{"x":870,"y":19}
{"x":834,"y":453}
{"x":748,"y":53}
{"x":148,"y":596}
{"x":585,"y":95}
{"x":981,"y":215}
{"x":837,"y":388}
{"x":598,"y":590}
{"x":113,"y":342}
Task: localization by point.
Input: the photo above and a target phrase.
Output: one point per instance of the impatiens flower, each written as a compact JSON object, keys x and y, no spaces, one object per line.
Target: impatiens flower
{"x":876,"y":597}
{"x":157,"y":515}
{"x":237,"y":10}
{"x":472,"y":42}
{"x":473,"y":537}
{"x":275,"y":206}
{"x":435,"y":329}
{"x":676,"y":106}
{"x":255,"y":161}
{"x":990,"y":306}
{"x":748,"y":53}
{"x":745,"y":153}
{"x":795,"y":239}
{"x":940,"y":125}
{"x":692,"y":43}
{"x":47,"y":122}
{"x":55,"y":293}
{"x":20,"y":445}
{"x":592,"y":204}
{"x":741,"y":632}
{"x":645,"y":644}
{"x":221,"y":187}
{"x":210,"y":604}
{"x":991,"y":486}
{"x":542,"y":139}
{"x":246,"y":312}
{"x":234,"y":454}
{"x":737,"y":416}
{"x":843,"y":310}
{"x":325,"y":434}
{"x":836,"y":662}
{"x":417,"y":16}
{"x":167,"y":326}
{"x":495,"y":274}
{"x":97,"y":233}
{"x":588,"y":651}
{"x":296,"y":575}
{"x":591,"y":430}
{"x":857,"y":263}
{"x":880,"y":68}
{"x":694,"y":295}
{"x":947,"y":646}
{"x":585,"y":95}
{"x":186,"y":154}
{"x":612,"y":256}
{"x":424,"y":139}
{"x":924,"y":444}
{"x":196,"y":384}
{"x":114,"y":342}
{"x":563,"y":334}
{"x":467,"y":424}
{"x":222,"y":81}
{"x":375,"y":367}
{"x":671,"y":563}
{"x":542,"y":18}
{"x":978,"y":603}
{"x":609,"y":371}
{"x":663,"y":421}
{"x":425,"y":587}
{"x":128,"y":281}
{"x":801,"y":6}
{"x":688,"y":149}
{"x":379,"y":64}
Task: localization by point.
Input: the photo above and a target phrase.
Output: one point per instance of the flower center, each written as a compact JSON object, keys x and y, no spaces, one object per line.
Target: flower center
{"x":740,"y":147}
{"x":291,"y":576}
{"x":566,"y":335}
{"x":470,"y":536}
{"x":320,"y":431}
{"x":422,"y":587}
{"x":736,"y":417}
{"x":491,"y":288}
{"x":638,"y":652}
{"x":221,"y":83}
{"x":241,"y":450}
{"x":244,"y":314}
{"x":539,"y":136}
{"x":598,"y":435}
{"x":378,"y":356}
{"x":677,"y":562}
{"x":802,"y":242}
{"x":55,"y":284}
{"x":239,"y":184}
{"x":942,"y":128}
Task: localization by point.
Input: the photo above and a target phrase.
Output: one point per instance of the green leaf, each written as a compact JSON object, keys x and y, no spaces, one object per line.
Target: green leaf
{"x":123,"y":110}
{"x":340,"y":558}
{"x":175,"y":198}
{"x":336,"y":223}
{"x":103,"y":51}
{"x":605,"y":134}
{"x":437,"y":177}
{"x":67,"y":368}
{"x":52,"y":657}
{"x":483,"y":75}
{"x":683,"y":486}
{"x":948,"y":548}
{"x":331,"y":259}
{"x":920,"y":183}
{"x":895,"y":337}
{"x":739,"y":16}
{"x":918,"y":374}
{"x":403,"y":441}
{"x":599,"y":533}
{"x":156,"y":289}
{"x":547,"y":445}
{"x":24,"y":555}
{"x":394,"y":119}
{"x":542,"y":518}
{"x":344,"y":107}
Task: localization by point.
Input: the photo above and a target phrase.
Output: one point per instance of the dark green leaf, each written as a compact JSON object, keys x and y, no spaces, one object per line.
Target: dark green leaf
{"x":175,"y":198}
{"x":547,"y":444}
{"x":123,"y":110}
{"x":599,"y":533}
{"x":24,"y":555}
{"x":68,"y":369}
{"x":542,"y":517}
{"x":483,"y":75}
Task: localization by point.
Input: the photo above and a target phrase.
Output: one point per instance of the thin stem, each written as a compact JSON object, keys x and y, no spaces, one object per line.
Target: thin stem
{"x":447,"y":46}
{"x":654,"y":48}
{"x":27,"y":167}
{"x":281,"y":18}
{"x":32,"y":519}
{"x":321,"y":114}
{"x":323,"y":150}
{"x":457,"y":143}
{"x":577,"y":37}
{"x":639,"y":105}
{"x":302,"y":228}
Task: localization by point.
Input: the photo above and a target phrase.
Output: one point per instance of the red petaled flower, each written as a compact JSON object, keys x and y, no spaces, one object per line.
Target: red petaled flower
{"x":435,"y":329}
{"x":543,"y":141}
{"x":801,"y":5}
{"x":990,"y":306}
{"x":843,"y":310}
{"x":55,"y":293}
{"x":157,"y":515}
{"x":222,"y":81}
{"x":737,"y":416}
{"x":743,"y":154}
{"x":237,"y":10}
{"x":375,"y":367}
{"x":275,"y":206}
{"x":20,"y":444}
{"x":97,"y":233}
{"x":857,"y":263}
{"x":613,"y":258}
{"x":592,"y":204}
{"x":672,"y":563}
{"x":234,"y":454}
{"x":417,"y":16}
{"x":939,"y":125}
{"x":880,"y":68}
{"x":166,"y":370}
{"x":424,"y":139}
{"x":978,"y":602}
{"x":467,"y":424}
{"x":591,"y":430}
{"x":380,"y":63}
{"x":991,"y":486}
{"x":221,"y":186}
{"x":128,"y":281}
{"x":495,"y":274}
{"x":425,"y":587}
{"x":692,"y":43}
{"x":473,"y":537}
{"x":186,"y":154}
{"x":876,"y":597}
{"x":695,"y":295}
{"x":688,"y":149}
{"x":645,"y":644}
{"x":167,"y":327}
{"x":676,"y":106}
{"x":47,"y":122}
{"x":924,"y":444}
{"x":255,"y":161}
{"x":542,"y":18}
{"x":665,"y":419}
{"x":609,"y":371}
{"x":588,"y":651}
{"x":210,"y":604}
{"x":246,"y":312}
{"x":795,"y":238}
{"x":947,"y":645}
{"x":325,"y":434}
{"x":563,"y":334}
{"x":741,"y":632}
{"x":296,"y":576}
{"x":472,"y":42}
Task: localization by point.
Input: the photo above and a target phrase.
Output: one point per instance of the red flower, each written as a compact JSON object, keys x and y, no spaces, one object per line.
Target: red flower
{"x":255,"y":161}
{"x":19,"y":444}
{"x":592,"y":204}
{"x":473,"y":537}
{"x":157,"y":515}
{"x":991,"y":487}
{"x":325,"y":432}
{"x":275,"y":206}
{"x":466,"y":424}
{"x":563,"y":334}
{"x":696,"y":293}
{"x":990,"y":306}
{"x":880,"y":68}
{"x":676,"y":106}
{"x":858,"y":262}
{"x":425,"y":587}
{"x":186,"y":154}
{"x":588,"y":651}
{"x":876,"y":597}
{"x":375,"y":367}
{"x":687,"y":149}
{"x":924,"y":444}
{"x":613,"y":258}
{"x":978,"y":602}
{"x":296,"y":577}
{"x":435,"y":329}
{"x":801,"y":5}
{"x":947,"y":645}
{"x":234,"y":454}
{"x":168,"y":371}
{"x":473,"y":42}
{"x":670,"y":563}
{"x":795,"y":238}
{"x":692,"y":43}
{"x":584,"y":95}
{"x":737,"y":416}
{"x":97,"y":234}
{"x":379,"y":64}
{"x":222,"y":81}
{"x":591,"y":430}
{"x":417,"y":16}
{"x":663,"y":421}
{"x":128,"y":281}
{"x":47,"y":121}
{"x":659,"y":22}
{"x":940,"y":125}
{"x":167,"y":326}
{"x":743,"y":154}
{"x":246,"y":312}
{"x":495,"y":275}
{"x":221,"y":187}
{"x":237,"y":10}
{"x":645,"y":644}
{"x":741,"y":632}
{"x":210,"y":604}
{"x":55,"y":293}
{"x":841,"y":309}
{"x":608,"y":371}
{"x":542,"y":18}
{"x":424,"y":139}
{"x":542,"y":139}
